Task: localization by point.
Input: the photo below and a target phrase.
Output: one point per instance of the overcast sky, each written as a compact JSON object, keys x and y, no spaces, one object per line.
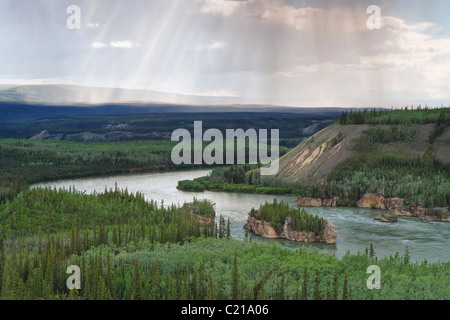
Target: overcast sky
{"x":286,"y":52}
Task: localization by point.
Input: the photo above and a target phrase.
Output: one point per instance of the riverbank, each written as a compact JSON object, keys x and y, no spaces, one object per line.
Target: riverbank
{"x":369,"y":201}
{"x":356,"y":226}
{"x":394,"y":206}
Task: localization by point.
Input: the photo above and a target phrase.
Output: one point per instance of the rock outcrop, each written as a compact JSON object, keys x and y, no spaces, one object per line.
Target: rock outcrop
{"x":437,"y":218}
{"x":330,"y":233}
{"x":370,"y":200}
{"x":316,"y":202}
{"x":393,"y":203}
{"x":261,"y":228}
{"x":329,"y":202}
{"x":203,"y":220}
{"x":208,"y":221}
{"x":396,"y":205}
{"x":433,"y":215}
{"x":387,"y":218}
{"x":309,"y":202}
{"x":43,"y":135}
{"x":401,"y":212}
{"x":265,"y":230}
{"x":373,"y":201}
{"x":415,"y":210}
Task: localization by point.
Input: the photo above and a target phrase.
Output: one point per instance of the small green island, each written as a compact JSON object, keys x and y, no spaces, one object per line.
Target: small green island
{"x":280,"y":220}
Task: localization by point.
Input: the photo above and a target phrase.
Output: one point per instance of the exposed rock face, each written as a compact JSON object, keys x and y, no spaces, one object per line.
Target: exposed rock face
{"x":330,"y":233}
{"x":387,"y":218}
{"x":439,"y":214}
{"x":43,"y":135}
{"x":296,"y":235}
{"x":436,"y":214}
{"x":309,"y":202}
{"x":265,"y":230}
{"x":261,"y":228}
{"x":401,"y":212}
{"x":371,"y":201}
{"x":316,"y":202}
{"x":396,"y":205}
{"x":203,"y":220}
{"x":329,"y":202}
{"x":208,"y":221}
{"x":439,"y":218}
{"x":393,"y":203}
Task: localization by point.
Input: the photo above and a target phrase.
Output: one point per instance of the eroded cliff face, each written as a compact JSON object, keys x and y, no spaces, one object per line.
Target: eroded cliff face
{"x":265,"y":230}
{"x":330,"y":234}
{"x":316,"y":202}
{"x":261,"y":228}
{"x":312,"y":159}
{"x":396,"y":205}
{"x":373,"y":201}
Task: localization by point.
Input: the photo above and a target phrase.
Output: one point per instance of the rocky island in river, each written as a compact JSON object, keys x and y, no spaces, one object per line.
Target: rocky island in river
{"x":394,"y":207}
{"x":279,"y":220}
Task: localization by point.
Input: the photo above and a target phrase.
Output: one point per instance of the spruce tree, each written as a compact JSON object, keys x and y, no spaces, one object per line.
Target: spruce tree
{"x":281,"y":294}
{"x":406,"y":257}
{"x":345,"y":289}
{"x":296,"y":295}
{"x":328,"y":294}
{"x":258,"y":289}
{"x":371,"y":251}
{"x":137,"y":282}
{"x":235,"y":280}
{"x":210,"y":295}
{"x":304,"y":295}
{"x":316,"y":287}
{"x":335,"y":285}
{"x":2,"y":262}
{"x":221,"y":227}
{"x":228,"y":229}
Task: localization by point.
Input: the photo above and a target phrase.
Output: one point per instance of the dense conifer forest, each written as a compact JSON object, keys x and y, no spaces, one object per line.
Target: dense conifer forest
{"x":128,"y":248}
{"x":23,"y":162}
{"x":423,"y":179}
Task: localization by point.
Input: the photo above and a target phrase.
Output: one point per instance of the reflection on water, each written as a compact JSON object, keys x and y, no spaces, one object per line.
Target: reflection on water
{"x":356,"y":227}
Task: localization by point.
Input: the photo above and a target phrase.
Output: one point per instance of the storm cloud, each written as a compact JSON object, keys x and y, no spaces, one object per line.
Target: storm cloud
{"x":296,"y":53}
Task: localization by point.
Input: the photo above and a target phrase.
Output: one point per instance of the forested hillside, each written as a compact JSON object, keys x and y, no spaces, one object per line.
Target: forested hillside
{"x":128,"y":248}
{"x":400,"y":153}
{"x":394,"y":153}
{"x":23,"y":162}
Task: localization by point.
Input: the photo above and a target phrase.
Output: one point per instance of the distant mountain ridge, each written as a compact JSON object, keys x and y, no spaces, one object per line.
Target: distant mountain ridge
{"x":72,"y":94}
{"x":105,"y":100}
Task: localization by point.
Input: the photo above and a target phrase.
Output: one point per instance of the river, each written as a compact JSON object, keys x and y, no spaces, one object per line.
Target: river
{"x":356,"y":227}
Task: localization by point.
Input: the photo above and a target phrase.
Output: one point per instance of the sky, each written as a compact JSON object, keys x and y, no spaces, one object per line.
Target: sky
{"x":314,"y":53}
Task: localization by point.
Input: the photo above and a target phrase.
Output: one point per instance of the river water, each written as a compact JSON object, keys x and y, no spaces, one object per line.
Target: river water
{"x":356,"y":227}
